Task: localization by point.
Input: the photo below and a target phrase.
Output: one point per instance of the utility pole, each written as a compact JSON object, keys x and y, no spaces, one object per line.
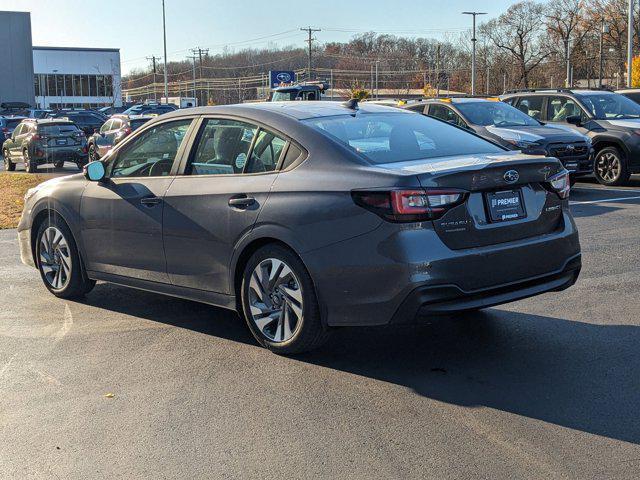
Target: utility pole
{"x":309,"y":41}
{"x":473,"y":50}
{"x":438,"y":70}
{"x":377,"y":88}
{"x":200,"y":51}
{"x":604,"y":28}
{"x":569,"y":81}
{"x":164,"y":33}
{"x":194,"y":75}
{"x":630,"y":44}
{"x":153,"y":59}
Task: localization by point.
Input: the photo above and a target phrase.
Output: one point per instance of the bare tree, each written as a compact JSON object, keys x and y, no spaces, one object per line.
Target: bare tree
{"x":520,"y":32}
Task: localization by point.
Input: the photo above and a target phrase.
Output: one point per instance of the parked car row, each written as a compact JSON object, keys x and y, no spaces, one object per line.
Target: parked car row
{"x":23,"y":141}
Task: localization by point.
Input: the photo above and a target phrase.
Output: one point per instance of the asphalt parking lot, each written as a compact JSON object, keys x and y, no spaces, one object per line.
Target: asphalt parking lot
{"x":128,"y":384}
{"x":48,"y":169}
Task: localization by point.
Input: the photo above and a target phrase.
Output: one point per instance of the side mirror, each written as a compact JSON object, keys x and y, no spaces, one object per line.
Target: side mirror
{"x":94,"y":171}
{"x":574,"y":120}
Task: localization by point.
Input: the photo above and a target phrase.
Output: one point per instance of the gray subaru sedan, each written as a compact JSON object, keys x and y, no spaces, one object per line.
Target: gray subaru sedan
{"x":304,"y":216}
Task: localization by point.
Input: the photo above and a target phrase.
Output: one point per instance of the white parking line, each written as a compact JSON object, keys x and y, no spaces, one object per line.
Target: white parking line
{"x":619,"y":199}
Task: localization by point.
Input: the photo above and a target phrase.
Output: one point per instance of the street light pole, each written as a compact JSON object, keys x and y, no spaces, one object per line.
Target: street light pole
{"x":630,"y":43}
{"x":164,"y":32}
{"x":473,"y":50}
{"x":604,"y":28}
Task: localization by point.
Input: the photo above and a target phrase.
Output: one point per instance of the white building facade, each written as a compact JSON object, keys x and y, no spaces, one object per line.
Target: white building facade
{"x":76,"y":77}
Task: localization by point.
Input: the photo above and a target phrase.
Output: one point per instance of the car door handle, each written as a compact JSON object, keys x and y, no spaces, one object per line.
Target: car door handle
{"x":241,"y":201}
{"x":150,"y":201}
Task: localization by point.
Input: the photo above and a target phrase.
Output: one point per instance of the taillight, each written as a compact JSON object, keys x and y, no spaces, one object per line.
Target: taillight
{"x":409,"y":205}
{"x":560,"y":183}
{"x":127,"y":131}
{"x":36,"y":136}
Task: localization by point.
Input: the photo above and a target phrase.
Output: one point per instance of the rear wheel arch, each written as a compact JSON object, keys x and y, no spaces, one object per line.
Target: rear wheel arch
{"x":243,"y":258}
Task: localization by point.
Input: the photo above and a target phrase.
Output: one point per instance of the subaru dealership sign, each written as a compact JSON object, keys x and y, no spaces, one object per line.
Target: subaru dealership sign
{"x":279,"y":77}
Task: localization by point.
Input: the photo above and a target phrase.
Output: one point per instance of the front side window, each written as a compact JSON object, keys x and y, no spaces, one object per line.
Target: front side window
{"x":222,"y":148}
{"x":399,"y":137}
{"x":500,"y":114}
{"x":446,"y":114}
{"x":559,"y":108}
{"x":153,"y":153}
{"x":610,"y":106}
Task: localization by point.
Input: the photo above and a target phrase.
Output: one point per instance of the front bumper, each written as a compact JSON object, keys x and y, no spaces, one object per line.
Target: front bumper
{"x":26,"y":253}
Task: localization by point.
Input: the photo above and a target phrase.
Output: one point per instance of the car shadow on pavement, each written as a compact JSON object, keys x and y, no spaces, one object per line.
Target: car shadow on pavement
{"x":180,"y":313}
{"x":577,"y":375}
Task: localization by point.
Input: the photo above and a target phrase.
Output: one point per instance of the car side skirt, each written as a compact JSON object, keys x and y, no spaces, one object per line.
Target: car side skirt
{"x":212,"y":298}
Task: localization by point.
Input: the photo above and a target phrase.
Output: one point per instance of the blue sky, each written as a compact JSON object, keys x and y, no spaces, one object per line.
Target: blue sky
{"x":135,"y":26}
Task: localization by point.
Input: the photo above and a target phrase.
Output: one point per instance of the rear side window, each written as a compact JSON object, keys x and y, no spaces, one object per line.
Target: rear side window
{"x":13,"y":123}
{"x":399,"y":137}
{"x":223,"y":147}
{"x":292,"y":155}
{"x":266,"y":153}
{"x":532,"y":106}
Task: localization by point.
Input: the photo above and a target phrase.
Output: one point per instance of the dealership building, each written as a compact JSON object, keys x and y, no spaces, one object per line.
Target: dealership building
{"x":54,"y":77}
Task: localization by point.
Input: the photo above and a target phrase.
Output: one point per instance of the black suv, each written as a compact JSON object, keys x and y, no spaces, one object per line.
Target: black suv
{"x":150,"y":109}
{"x":37,"y":142}
{"x":611,"y":120}
{"x":88,"y":121}
{"x":112,"y":132}
{"x":507,"y":126}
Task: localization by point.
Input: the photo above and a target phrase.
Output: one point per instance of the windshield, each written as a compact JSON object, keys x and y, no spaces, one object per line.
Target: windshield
{"x":136,"y":109}
{"x":399,"y":137}
{"x":60,"y":129}
{"x":495,"y":113}
{"x":137,"y":123}
{"x":285,"y":96}
{"x":609,"y":106}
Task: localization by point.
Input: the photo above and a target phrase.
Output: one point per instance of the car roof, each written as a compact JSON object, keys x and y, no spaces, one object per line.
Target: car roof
{"x":299,"y":110}
{"x":454,"y":100}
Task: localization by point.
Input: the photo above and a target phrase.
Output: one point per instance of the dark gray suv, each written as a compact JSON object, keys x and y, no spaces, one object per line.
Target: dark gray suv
{"x":305,"y":216}
{"x":611,"y":120}
{"x":511,"y":128}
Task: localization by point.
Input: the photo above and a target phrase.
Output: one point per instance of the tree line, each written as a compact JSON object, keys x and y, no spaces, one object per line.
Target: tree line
{"x":529,"y":45}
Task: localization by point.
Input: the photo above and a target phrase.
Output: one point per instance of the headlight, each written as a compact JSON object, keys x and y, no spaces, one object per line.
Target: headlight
{"x":529,"y":147}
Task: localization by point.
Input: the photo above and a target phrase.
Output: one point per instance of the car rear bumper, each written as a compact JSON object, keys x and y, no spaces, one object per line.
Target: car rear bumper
{"x":445,"y":299}
{"x":400,"y":271}
{"x":70,"y":154}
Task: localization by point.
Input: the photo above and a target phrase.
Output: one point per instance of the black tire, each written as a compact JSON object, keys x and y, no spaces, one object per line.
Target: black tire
{"x":309,"y":332}
{"x":610,"y":167}
{"x":93,"y":153}
{"x":9,"y":166}
{"x":59,"y":164}
{"x":29,"y":165}
{"x":76,"y":282}
{"x":572,"y":180}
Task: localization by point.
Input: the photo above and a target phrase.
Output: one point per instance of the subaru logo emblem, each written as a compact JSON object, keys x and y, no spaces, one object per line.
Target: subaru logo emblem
{"x":511,"y":176}
{"x":570,"y":148}
{"x":283,"y":77}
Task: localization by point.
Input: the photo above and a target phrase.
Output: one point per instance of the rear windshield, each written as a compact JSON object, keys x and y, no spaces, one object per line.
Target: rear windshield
{"x":60,"y":129}
{"x":13,"y":123}
{"x":137,"y":123}
{"x":400,"y":137}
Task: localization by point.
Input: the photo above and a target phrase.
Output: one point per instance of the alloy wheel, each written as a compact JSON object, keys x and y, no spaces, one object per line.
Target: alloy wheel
{"x":608,"y":167}
{"x":55,"y":258}
{"x":275,"y":300}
